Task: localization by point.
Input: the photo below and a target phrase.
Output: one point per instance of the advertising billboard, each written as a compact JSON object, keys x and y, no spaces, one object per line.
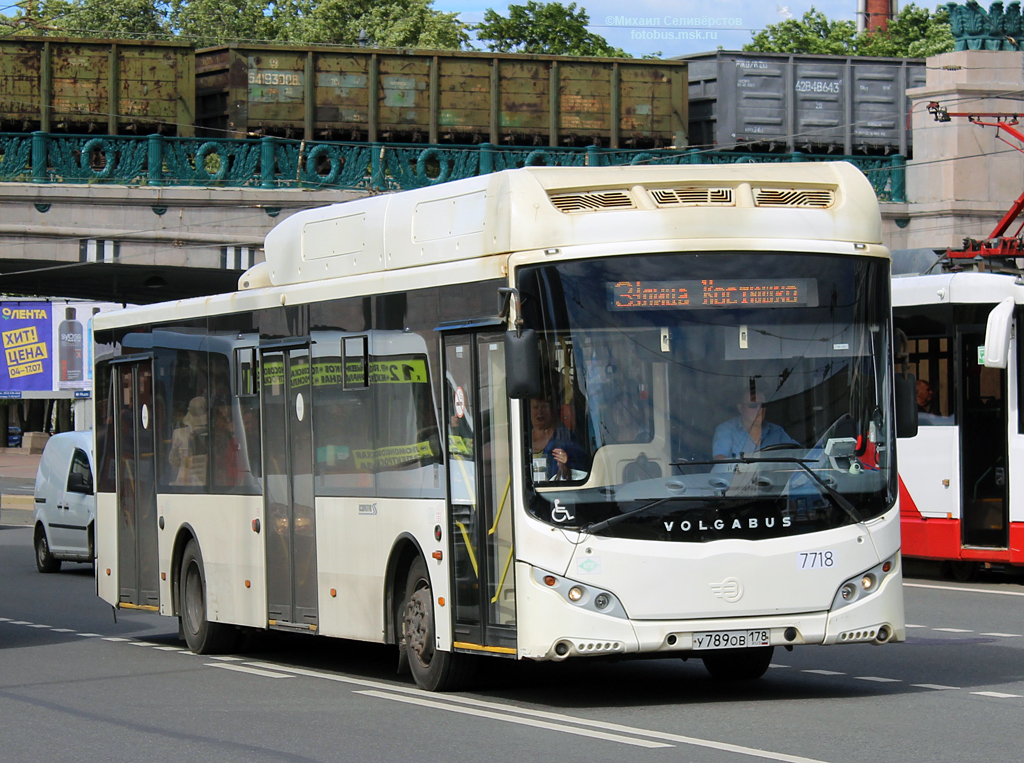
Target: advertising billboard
{"x":47,"y":347}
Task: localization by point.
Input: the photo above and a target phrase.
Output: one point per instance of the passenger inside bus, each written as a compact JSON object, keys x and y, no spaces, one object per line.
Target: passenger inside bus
{"x":748,"y":432}
{"x":189,"y":445}
{"x":556,"y":453}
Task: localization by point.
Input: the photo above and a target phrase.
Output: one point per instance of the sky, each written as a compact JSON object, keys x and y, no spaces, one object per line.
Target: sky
{"x":675,"y":27}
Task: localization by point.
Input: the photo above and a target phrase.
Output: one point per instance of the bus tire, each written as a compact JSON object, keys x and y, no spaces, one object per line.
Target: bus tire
{"x":202,"y":636}
{"x":432,"y":669}
{"x":738,"y":664}
{"x":45,"y":561}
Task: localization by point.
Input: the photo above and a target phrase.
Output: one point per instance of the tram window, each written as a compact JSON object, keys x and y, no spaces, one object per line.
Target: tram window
{"x":931,"y":361}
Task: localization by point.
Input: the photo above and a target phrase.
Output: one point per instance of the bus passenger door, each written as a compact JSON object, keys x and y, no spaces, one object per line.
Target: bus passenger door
{"x":479,"y":494}
{"x":983,"y":433}
{"x":288,"y":487}
{"x":138,"y":565}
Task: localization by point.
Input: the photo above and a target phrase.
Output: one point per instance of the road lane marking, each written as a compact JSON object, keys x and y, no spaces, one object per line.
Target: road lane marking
{"x":116,"y":638}
{"x":936,"y":687}
{"x":63,"y":630}
{"x":962,"y":590}
{"x":245,"y":669}
{"x":693,"y":741}
{"x":90,"y":635}
{"x":824,"y":672}
{"x":909,"y":625}
{"x":953,"y":630}
{"x":505,"y":718}
{"x":878,"y":679}
{"x":37,"y":625}
{"x":20,"y":622}
{"x":777,"y":665}
{"x":1003,"y":635}
{"x":169,"y":648}
{"x":224,"y":657}
{"x":996,"y":694}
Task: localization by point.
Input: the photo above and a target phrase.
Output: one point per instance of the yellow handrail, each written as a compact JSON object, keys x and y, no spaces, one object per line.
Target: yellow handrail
{"x":469,"y":547}
{"x":501,"y":506}
{"x":508,"y":562}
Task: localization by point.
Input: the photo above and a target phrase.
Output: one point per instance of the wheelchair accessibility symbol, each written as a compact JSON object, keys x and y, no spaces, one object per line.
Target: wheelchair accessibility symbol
{"x":560,"y":513}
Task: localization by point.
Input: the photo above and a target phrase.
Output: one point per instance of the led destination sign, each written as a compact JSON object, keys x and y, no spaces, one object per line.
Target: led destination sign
{"x":690,"y":295}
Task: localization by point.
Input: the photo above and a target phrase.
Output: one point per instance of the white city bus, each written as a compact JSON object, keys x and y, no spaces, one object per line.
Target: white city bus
{"x":958,"y":500}
{"x":480,"y":419}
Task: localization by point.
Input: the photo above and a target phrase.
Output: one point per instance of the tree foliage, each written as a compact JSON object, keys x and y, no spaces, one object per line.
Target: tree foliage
{"x":381,"y":23}
{"x":543,"y":28}
{"x":914,"y":33}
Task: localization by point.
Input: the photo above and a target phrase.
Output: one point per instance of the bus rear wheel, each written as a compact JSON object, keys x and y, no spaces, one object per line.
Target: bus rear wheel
{"x":202,"y":636}
{"x":738,"y":664}
{"x":431,"y":668}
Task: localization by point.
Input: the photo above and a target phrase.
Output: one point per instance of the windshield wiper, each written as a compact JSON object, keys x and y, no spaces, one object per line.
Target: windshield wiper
{"x":606,"y":523}
{"x":834,"y":494}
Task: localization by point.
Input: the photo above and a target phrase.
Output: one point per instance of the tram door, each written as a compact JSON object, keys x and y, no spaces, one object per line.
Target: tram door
{"x":137,"y":555}
{"x":984,"y":476}
{"x":480,"y":495}
{"x":288,"y":486}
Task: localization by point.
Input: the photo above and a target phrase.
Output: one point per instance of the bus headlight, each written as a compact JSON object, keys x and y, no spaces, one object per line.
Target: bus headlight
{"x":579,"y":595}
{"x":865,"y":584}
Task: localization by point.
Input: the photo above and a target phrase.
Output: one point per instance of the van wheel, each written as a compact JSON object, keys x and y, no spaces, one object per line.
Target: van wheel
{"x":431,"y":668}
{"x":45,"y":561}
{"x":202,"y":636}
{"x":738,"y":664}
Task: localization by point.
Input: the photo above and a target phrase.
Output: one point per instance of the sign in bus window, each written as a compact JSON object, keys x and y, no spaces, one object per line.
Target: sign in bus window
{"x":356,"y":365}
{"x":712,"y":293}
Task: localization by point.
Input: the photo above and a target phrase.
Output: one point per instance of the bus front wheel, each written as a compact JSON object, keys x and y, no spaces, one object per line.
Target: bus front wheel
{"x":202,"y":636}
{"x":738,"y":664}
{"x":432,"y":669}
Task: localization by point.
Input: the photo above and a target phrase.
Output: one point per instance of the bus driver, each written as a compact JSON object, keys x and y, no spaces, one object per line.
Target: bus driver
{"x":748,"y":432}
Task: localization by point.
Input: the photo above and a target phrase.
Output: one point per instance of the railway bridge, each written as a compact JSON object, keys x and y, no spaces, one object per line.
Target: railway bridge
{"x":141,"y":219}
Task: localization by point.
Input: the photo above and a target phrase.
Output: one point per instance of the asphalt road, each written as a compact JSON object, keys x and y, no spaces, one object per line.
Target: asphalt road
{"x":76,"y":685}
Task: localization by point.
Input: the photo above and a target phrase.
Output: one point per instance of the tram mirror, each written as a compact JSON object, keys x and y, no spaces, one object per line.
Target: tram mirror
{"x":997,"y":334}
{"x":522,"y":365}
{"x":906,"y":405}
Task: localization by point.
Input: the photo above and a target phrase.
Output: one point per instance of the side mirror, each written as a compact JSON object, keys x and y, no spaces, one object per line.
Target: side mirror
{"x":79,"y":483}
{"x":522,"y":365}
{"x":997,"y":334}
{"x":906,"y":405}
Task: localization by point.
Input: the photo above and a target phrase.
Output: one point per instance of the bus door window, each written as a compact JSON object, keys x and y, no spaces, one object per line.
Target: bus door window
{"x":136,"y":494}
{"x":479,"y":477}
{"x":288,"y":485}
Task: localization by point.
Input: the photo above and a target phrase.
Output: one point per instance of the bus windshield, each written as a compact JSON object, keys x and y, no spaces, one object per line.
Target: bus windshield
{"x":696,"y":397}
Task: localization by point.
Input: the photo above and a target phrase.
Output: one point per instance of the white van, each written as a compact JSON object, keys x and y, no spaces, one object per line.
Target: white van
{"x":65,"y":501}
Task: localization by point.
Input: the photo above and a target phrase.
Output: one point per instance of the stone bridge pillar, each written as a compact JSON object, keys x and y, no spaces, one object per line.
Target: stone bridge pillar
{"x":962,"y":178}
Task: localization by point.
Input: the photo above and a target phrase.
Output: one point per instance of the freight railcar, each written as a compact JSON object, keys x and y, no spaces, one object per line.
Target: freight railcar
{"x":362,"y":94}
{"x":794,"y":102}
{"x":115,"y":87}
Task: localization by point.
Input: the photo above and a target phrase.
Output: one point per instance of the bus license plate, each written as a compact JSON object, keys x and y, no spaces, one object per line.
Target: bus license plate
{"x":731,"y":639}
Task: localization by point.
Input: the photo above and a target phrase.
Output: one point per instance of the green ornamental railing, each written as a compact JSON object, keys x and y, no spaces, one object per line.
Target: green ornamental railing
{"x":372,"y":167}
